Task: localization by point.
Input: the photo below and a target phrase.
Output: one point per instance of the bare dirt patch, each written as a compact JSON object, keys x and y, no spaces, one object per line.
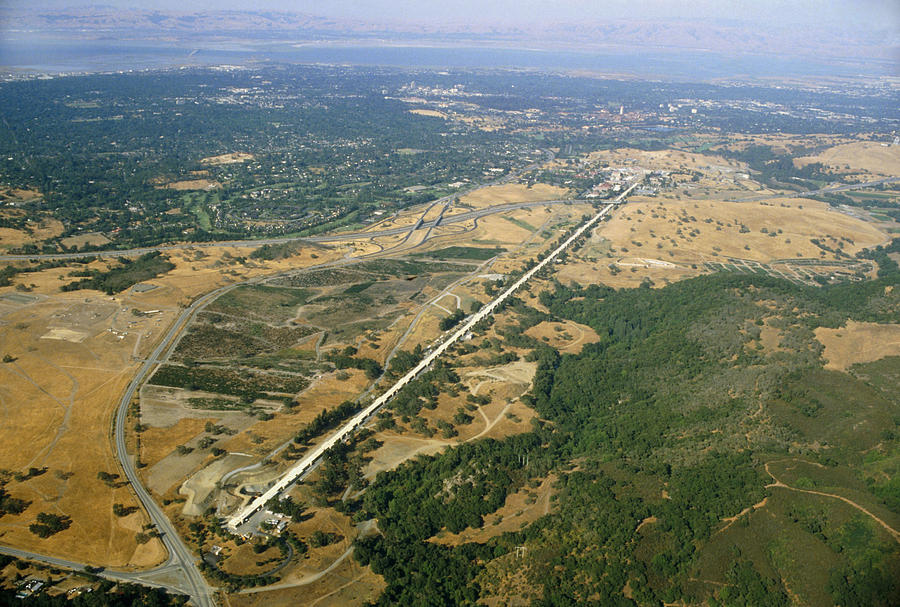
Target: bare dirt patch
{"x":397,"y":449}
{"x":569,"y":337}
{"x":62,"y":334}
{"x":193,"y":184}
{"x":865,"y":156}
{"x":513,"y":192}
{"x":858,"y":342}
{"x":94,"y":239}
{"x":521,"y":508}
{"x":432,"y":113}
{"x":230,"y":158}
{"x":38,"y":231}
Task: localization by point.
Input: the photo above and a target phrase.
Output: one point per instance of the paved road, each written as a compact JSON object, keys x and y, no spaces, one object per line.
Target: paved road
{"x":825,"y":190}
{"x":181,"y":562}
{"x":119,"y":576}
{"x":238,"y":522}
{"x":445,"y":200}
{"x":441,"y":220}
{"x":340,"y":237}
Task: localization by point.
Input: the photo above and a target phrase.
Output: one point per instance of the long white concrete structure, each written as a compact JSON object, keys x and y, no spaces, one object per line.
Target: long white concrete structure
{"x":301,"y":467}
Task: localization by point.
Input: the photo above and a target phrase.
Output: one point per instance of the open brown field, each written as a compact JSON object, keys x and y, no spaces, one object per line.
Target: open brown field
{"x":858,"y":342}
{"x":432,"y":113}
{"x":73,"y":359}
{"x":93,"y":238}
{"x":666,"y":160}
{"x":568,"y":337}
{"x":57,"y":397}
{"x":521,"y":508}
{"x":229,"y":158}
{"x":40,"y":230}
{"x":513,"y":192}
{"x":193,"y":184}
{"x":869,"y":157}
{"x":670,"y":240}
{"x":19,"y":195}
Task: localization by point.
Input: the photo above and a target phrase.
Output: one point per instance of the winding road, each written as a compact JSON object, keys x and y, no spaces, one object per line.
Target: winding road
{"x":180,"y":573}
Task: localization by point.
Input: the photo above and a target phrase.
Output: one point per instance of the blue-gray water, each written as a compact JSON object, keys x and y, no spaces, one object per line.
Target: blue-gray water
{"x":54,"y":56}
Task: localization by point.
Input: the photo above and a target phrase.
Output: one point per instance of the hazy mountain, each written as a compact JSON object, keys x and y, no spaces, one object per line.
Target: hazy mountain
{"x":718,"y":37}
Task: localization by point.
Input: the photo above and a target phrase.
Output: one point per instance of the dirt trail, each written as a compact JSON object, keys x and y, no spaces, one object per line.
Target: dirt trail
{"x":894,"y":533}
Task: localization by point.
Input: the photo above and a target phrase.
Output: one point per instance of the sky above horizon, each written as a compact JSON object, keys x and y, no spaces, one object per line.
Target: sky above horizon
{"x":873,"y":13}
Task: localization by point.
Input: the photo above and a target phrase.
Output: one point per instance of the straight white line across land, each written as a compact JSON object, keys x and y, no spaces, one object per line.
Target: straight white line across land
{"x":305,"y":464}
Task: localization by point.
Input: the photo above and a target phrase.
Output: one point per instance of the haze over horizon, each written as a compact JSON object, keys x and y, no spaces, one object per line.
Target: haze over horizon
{"x":882,"y":14}
{"x":801,"y":37}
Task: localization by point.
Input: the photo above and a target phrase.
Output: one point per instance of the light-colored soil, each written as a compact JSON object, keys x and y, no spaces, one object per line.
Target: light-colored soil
{"x":193,"y":184}
{"x":568,"y":337}
{"x":432,"y":113}
{"x":521,"y":508}
{"x":231,"y":158}
{"x":666,"y":160}
{"x":93,"y":238}
{"x":645,"y":240}
{"x":199,"y":488}
{"x":513,"y":192}
{"x":858,"y":342}
{"x":40,"y":230}
{"x":157,"y":443}
{"x":58,"y":396}
{"x":63,"y":334}
{"x":56,"y":399}
{"x":864,"y":156}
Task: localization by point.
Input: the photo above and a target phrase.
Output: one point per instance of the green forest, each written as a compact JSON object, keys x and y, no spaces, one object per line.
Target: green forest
{"x":666,"y":436}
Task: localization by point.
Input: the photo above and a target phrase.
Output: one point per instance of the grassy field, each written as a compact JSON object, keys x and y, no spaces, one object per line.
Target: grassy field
{"x":858,"y":342}
{"x":868,"y":157}
{"x":72,"y":358}
{"x":512,"y":192}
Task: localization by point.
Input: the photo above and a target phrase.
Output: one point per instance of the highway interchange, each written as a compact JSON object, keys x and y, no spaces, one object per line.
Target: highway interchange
{"x":180,"y":572}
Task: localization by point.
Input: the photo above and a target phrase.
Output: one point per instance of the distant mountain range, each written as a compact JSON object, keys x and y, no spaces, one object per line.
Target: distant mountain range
{"x":101,"y":22}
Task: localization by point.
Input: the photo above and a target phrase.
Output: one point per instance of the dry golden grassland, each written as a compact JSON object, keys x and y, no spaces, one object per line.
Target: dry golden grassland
{"x":432,"y":113}
{"x":346,"y":584}
{"x":230,"y":158}
{"x":57,"y":397}
{"x":665,"y":240}
{"x":193,"y":184}
{"x":92,"y":238}
{"x":858,"y":342}
{"x":665,"y":160}
{"x":40,"y":230}
{"x":866,"y":157}
{"x":19,"y":195}
{"x":521,"y":508}
{"x":568,"y":337}
{"x":512,"y":192}
{"x":73,"y":359}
